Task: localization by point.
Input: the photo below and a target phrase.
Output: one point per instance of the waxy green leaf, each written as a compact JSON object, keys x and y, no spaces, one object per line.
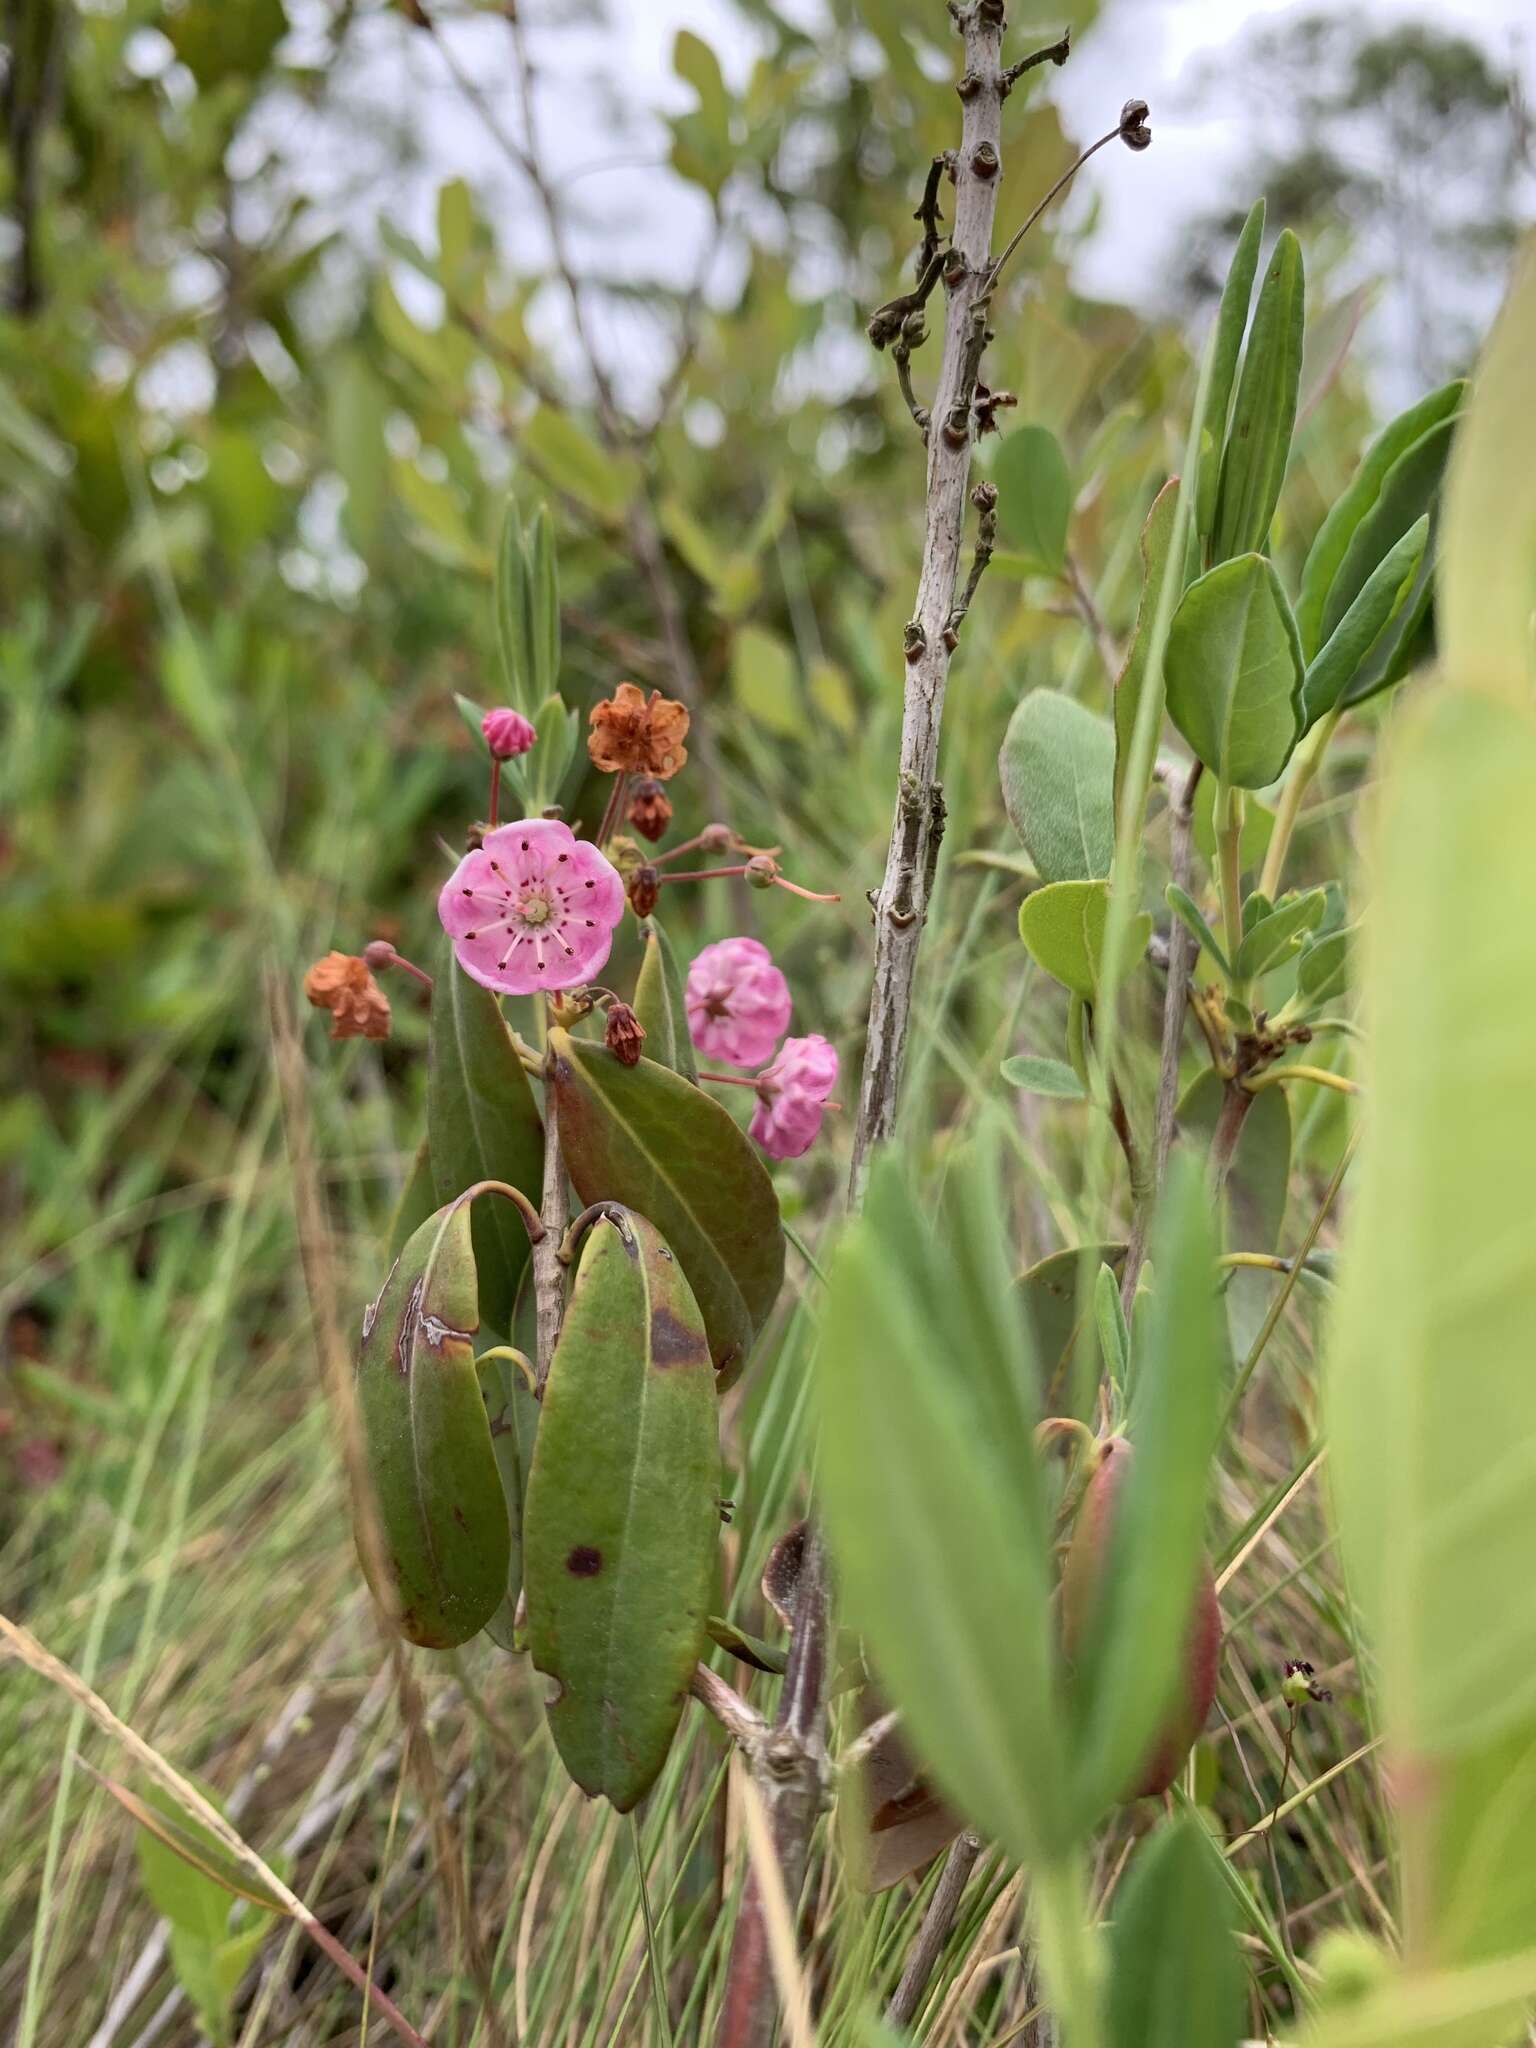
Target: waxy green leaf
{"x":1231,"y":319}
{"x":1034,"y":495}
{"x":1258,"y":441}
{"x":1189,"y":914}
{"x":1058,"y":771}
{"x":623,"y":1512}
{"x":1276,"y":936}
{"x":1339,"y":528}
{"x":1156,"y":545}
{"x":1235,"y":673}
{"x":643,"y":1136}
{"x":512,"y":1412}
{"x":1332,"y":676}
{"x":437,"y":1506}
{"x":482,"y":1124}
{"x":659,"y":1005}
{"x":1063,"y":926}
{"x":1176,"y":1978}
{"x":1054,"y":1314}
{"x":1037,"y":1076}
{"x":1408,"y":491}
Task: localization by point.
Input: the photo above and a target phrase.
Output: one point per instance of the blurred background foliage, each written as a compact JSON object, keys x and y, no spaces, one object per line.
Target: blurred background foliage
{"x":252,"y":470}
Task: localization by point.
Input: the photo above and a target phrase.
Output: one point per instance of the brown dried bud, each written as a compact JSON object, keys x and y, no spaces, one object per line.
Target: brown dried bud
{"x":762,"y":871}
{"x":1134,"y":132}
{"x":650,"y":809}
{"x":342,"y":984}
{"x":624,"y":1034}
{"x":644,"y":887}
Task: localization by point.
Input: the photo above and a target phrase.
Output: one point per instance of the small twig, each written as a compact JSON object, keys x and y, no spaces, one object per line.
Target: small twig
{"x":740,"y":1720}
{"x":1053,"y":53}
{"x":984,"y":498}
{"x":1088,"y":611}
{"x":934,"y":1932}
{"x":1276,"y":1077}
{"x":1131,"y":129}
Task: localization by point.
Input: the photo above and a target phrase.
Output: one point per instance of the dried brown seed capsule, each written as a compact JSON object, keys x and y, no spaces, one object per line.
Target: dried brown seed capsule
{"x":624,"y":1034}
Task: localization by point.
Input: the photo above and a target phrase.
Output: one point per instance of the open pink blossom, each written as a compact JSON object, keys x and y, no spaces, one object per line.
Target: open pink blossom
{"x":534,"y":907}
{"x":737,"y":1001}
{"x":792,"y":1097}
{"x":507,"y":733}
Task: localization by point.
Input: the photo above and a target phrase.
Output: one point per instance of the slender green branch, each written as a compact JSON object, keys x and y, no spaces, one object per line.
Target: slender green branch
{"x":1308,"y":759}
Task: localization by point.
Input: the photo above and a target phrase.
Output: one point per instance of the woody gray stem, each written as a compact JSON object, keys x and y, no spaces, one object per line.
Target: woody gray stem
{"x":901,"y":902}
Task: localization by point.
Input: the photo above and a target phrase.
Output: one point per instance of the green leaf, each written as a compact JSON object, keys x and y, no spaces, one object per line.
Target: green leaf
{"x":1058,"y":771}
{"x":418,"y":1199}
{"x":1188,"y":912}
{"x":1156,"y":546}
{"x":1431,"y":1399}
{"x":1332,"y":674}
{"x":1049,"y":1298}
{"x":1339,"y":528}
{"x":1409,"y":490}
{"x":514,"y":612}
{"x":1490,"y":541}
{"x":933,"y":1501}
{"x":747,"y":1649}
{"x":1253,"y":842}
{"x":1034,"y":495}
{"x":1258,"y":441}
{"x":543,"y":587}
{"x":482,"y":1124}
{"x":1176,"y":1979}
{"x":600,"y":481}
{"x":1276,"y":936}
{"x":1235,"y":674}
{"x":189,"y":1840}
{"x":1038,"y":1076}
{"x":764,"y":683}
{"x":697,"y":65}
{"x":211,"y":1973}
{"x":1321,"y":970}
{"x":1134,"y":1661}
{"x":1063,"y":926}
{"x":512,"y":1414}
{"x":623,"y":1514}
{"x":190,"y":1896}
{"x":659,"y":1004}
{"x":1231,"y":319}
{"x":645,"y":1137}
{"x":438,"y":1510}
{"x":1259,"y":1180}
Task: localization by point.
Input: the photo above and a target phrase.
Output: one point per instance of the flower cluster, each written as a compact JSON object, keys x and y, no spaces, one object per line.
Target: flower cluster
{"x":738,"y":1006}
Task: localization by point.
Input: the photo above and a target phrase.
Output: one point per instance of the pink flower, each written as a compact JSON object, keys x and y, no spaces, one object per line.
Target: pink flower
{"x":507,"y":733}
{"x":793,"y":1096}
{"x":737,"y":1001}
{"x":534,"y":907}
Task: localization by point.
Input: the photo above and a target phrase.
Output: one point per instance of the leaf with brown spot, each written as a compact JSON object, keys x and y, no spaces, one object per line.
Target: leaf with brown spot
{"x":642,"y":1136}
{"x":622,"y":1520}
{"x":426,"y":1441}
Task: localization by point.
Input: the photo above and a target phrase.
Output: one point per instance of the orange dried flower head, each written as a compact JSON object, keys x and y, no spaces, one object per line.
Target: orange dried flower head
{"x":631,"y":736}
{"x":342,"y":984}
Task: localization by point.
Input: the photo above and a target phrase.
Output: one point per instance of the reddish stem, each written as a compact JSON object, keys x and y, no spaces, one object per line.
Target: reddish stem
{"x":614,"y":809}
{"x":495,"y":790}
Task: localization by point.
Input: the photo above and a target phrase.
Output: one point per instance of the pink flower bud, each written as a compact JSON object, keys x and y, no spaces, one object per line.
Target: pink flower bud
{"x":507,"y":733}
{"x":793,"y":1096}
{"x":737,"y":1002}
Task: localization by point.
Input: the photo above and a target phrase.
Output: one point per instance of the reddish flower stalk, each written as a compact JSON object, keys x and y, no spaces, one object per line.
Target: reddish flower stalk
{"x":775,"y":881}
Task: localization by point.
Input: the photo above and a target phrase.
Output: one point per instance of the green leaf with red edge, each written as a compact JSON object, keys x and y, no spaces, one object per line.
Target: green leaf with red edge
{"x":195,"y":1845}
{"x":438,"y":1511}
{"x":643,"y":1136}
{"x":482,"y":1124}
{"x":659,"y":1004}
{"x":622,"y":1523}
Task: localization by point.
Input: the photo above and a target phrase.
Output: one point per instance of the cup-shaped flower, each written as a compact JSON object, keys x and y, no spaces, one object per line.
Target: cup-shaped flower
{"x":737,"y":1001}
{"x":792,"y":1097}
{"x":633,"y":735}
{"x":507,"y":733}
{"x":533,"y":907}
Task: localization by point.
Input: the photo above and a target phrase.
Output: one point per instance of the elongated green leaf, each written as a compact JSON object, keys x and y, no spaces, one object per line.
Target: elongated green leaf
{"x":437,"y":1503}
{"x":1034,"y":495}
{"x":644,"y":1137}
{"x":1231,"y":319}
{"x":1276,"y":936}
{"x":1338,"y":529}
{"x":1408,"y":490}
{"x":1430,"y":1394}
{"x":1189,"y":914}
{"x":1156,"y":545}
{"x":193,"y":1896}
{"x":1235,"y":674}
{"x":1490,"y":543}
{"x":1320,"y":973}
{"x":1331,"y":675}
{"x":513,"y":623}
{"x":1063,"y":926}
{"x":513,"y":1415}
{"x":600,"y":481}
{"x":1134,"y":1661}
{"x":1058,"y":771}
{"x":195,"y":1846}
{"x":1053,"y":1311}
{"x":543,"y":586}
{"x":659,"y":1005}
{"x":748,"y":1649}
{"x":482,"y":1124}
{"x":623,"y":1512}
{"x":1259,"y":439}
{"x":933,"y":1497}
{"x":1176,"y":1979}
{"x":1038,"y":1076}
